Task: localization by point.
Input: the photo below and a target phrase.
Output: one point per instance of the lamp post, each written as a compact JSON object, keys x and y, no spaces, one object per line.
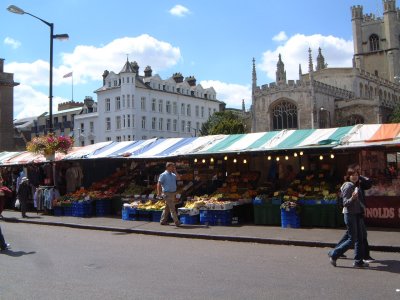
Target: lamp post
{"x":16,"y":10}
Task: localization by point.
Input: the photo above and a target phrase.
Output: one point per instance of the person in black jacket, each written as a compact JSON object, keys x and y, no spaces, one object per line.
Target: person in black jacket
{"x":24,"y":194}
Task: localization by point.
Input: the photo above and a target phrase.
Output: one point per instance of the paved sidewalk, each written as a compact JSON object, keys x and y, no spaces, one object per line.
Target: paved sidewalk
{"x":380,"y":239}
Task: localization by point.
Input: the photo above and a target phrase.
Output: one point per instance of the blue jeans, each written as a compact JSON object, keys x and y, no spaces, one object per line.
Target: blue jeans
{"x":365,"y":239}
{"x":355,"y":230}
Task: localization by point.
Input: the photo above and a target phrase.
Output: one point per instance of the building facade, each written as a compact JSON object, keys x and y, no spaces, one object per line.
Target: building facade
{"x":367,"y":92}
{"x":133,"y":107}
{"x":7,"y":85}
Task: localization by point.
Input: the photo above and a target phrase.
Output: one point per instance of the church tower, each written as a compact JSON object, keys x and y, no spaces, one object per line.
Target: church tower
{"x":376,"y":40}
{"x":320,"y":60}
{"x":280,"y":72}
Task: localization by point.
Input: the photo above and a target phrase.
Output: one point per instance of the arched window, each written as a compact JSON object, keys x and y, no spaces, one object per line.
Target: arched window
{"x":354,"y":120}
{"x":284,"y":116}
{"x":373,"y":42}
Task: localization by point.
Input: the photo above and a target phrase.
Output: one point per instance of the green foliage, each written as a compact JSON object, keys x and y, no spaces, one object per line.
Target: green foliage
{"x":225,"y":122}
{"x":395,"y":118}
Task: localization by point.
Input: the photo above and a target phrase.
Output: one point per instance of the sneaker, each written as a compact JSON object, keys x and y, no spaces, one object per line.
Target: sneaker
{"x":369,"y":259}
{"x":6,"y":247}
{"x":342,"y":256}
{"x":360,"y":264}
{"x":332,"y":261}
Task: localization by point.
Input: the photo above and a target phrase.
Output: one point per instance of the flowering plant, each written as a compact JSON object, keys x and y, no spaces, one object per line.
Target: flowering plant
{"x":49,"y":144}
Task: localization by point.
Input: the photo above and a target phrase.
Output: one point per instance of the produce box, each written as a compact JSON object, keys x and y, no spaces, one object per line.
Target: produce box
{"x":156,"y":215}
{"x":103,"y":207}
{"x":216,"y":217}
{"x":58,"y":211}
{"x":190,"y":219}
{"x":290,"y":218}
{"x":82,"y":209}
{"x":67,"y":210}
{"x":219,"y":206}
{"x":144,"y":215}
{"x":188,"y":211}
{"x":129,"y":214}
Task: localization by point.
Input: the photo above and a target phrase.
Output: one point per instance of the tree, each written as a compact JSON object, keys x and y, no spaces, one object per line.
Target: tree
{"x":395,"y":118}
{"x":224,"y":122}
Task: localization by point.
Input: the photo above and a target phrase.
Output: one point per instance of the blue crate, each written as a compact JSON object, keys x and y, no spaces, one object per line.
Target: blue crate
{"x":58,"y":211}
{"x":156,"y":215}
{"x":67,"y":211}
{"x":143,"y":215}
{"x":129,"y":214}
{"x":216,"y":217}
{"x":190,"y":220}
{"x":82,"y":209}
{"x":276,"y":200}
{"x":290,"y":219}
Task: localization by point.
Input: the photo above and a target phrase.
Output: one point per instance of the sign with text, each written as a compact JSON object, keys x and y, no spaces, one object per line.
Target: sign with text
{"x":383,"y":211}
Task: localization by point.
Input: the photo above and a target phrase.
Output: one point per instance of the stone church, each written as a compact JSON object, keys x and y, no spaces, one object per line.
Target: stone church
{"x":326,"y":97}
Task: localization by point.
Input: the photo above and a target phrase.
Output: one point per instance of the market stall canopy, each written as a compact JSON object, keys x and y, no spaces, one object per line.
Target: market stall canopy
{"x":107,"y":150}
{"x":25,"y":157}
{"x":7,"y":155}
{"x":83,"y":152}
{"x":372,"y":135}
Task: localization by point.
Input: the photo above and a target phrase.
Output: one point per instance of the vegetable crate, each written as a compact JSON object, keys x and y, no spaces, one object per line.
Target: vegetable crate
{"x":58,"y":211}
{"x":129,"y":214}
{"x":216,"y":217}
{"x":67,"y":210}
{"x":189,"y":219}
{"x":267,"y":214}
{"x":156,"y":215}
{"x":82,"y":209}
{"x":290,"y":218}
{"x":103,"y":207}
{"x":143,"y":215}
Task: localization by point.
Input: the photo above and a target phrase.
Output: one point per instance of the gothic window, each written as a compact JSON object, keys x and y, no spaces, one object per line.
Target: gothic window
{"x":354,"y":120}
{"x":361,"y":90}
{"x":373,"y":42}
{"x":284,"y":116}
{"x":371,"y":92}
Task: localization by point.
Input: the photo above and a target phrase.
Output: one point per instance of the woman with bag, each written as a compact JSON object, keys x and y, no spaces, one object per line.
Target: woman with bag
{"x":5,"y":192}
{"x":353,"y":210}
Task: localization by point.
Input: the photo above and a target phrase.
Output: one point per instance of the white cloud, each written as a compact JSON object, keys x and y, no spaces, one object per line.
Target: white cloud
{"x":280,"y":37}
{"x":11,"y":42}
{"x":179,"y":11}
{"x":337,"y":52}
{"x":29,"y":102}
{"x":232,"y":94}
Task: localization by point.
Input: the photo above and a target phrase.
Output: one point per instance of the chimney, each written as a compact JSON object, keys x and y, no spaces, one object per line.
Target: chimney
{"x":178,"y":77}
{"x":105,"y":74}
{"x":1,"y":65}
{"x":148,"y":72}
{"x":191,"y":80}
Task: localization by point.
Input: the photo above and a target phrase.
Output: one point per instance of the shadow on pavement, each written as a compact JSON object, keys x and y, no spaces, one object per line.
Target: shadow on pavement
{"x":16,"y":253}
{"x":392,"y":266}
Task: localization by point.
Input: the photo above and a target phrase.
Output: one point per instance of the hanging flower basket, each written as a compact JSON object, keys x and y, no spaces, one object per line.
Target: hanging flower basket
{"x":48,"y":145}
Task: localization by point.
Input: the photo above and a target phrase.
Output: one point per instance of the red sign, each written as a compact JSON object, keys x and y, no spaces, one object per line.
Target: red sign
{"x":383,"y":211}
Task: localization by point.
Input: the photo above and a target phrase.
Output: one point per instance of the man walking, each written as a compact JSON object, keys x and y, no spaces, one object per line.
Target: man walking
{"x":166,"y":187}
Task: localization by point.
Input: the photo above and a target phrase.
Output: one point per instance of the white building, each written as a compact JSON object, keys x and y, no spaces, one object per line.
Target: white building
{"x":133,"y":107}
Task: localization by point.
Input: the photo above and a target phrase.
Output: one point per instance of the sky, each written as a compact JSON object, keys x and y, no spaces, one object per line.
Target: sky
{"x":213,"y":40}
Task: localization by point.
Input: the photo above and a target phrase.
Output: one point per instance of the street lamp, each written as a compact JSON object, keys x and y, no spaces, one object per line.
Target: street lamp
{"x":329,"y":114}
{"x":16,"y":10}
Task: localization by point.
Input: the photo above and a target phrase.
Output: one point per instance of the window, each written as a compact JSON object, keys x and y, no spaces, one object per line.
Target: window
{"x":143,"y":122}
{"x":108,"y":104}
{"x":117,"y":103}
{"x":109,"y":84}
{"x":153,"y":104}
{"x":118,"y":122}
{"x":118,"y":138}
{"x":128,"y":101}
{"x":182,"y":109}
{"x":354,"y":120}
{"x":133,"y":101}
{"x":168,"y":124}
{"x":183,"y":125}
{"x":108,"y":123}
{"x":197,"y":125}
{"x":174,"y":125}
{"x":160,"y":106}
{"x":129,"y":137}
{"x":133,"y":121}
{"x":160,"y":123}
{"x":168,"y":107}
{"x":108,"y":139}
{"x":115,"y":82}
{"x":197,"y":110}
{"x":189,"y":126}
{"x":188,"y":110}
{"x":153,"y":123}
{"x":91,"y":126}
{"x":209,"y":112}
{"x":123,"y":101}
{"x":123,"y":121}
{"x":174,"y":108}
{"x":143,"y":103}
{"x":284,"y":116}
{"x":128,"y":121}
{"x":373,"y":42}
{"x":202,"y":112}
{"x":91,"y":142}
{"x":82,"y":143}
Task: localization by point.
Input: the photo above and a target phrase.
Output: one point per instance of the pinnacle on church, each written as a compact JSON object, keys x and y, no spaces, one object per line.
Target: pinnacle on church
{"x":320,"y":60}
{"x":310,"y":63}
{"x":280,"y":71}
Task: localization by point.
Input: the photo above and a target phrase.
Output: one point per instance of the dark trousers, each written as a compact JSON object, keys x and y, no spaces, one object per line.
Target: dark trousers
{"x":24,"y":205}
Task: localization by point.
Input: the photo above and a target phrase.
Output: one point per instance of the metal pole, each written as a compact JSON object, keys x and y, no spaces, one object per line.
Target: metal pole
{"x":51,"y":80}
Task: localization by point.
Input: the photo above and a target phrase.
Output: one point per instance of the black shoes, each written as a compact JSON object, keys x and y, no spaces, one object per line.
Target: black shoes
{"x":332,"y":261}
{"x":361,"y":264}
{"x":369,"y":259}
{"x":6,"y":247}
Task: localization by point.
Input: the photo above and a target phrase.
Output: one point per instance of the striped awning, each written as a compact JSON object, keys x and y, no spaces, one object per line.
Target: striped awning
{"x":83,"y":152}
